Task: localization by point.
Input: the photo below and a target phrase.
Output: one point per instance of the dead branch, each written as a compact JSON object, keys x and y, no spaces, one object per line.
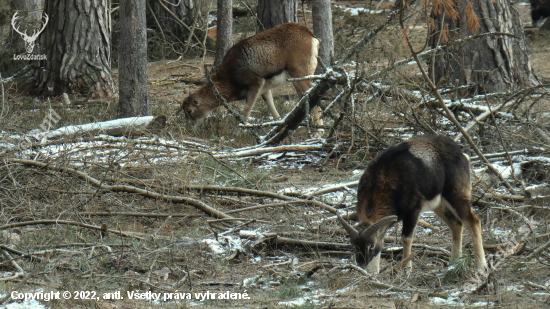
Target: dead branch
{"x":133,"y":214}
{"x":274,"y":238}
{"x":489,"y":112}
{"x":179,"y":21}
{"x":301,"y":110}
{"x":73,"y":223}
{"x":25,"y":279}
{"x":126,"y":188}
{"x":538,"y":251}
{"x":389,"y":287}
{"x":452,"y":118}
{"x":261,"y":150}
{"x":119,"y":127}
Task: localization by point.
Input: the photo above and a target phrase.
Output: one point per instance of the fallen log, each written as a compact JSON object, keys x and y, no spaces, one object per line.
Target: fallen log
{"x":129,"y":127}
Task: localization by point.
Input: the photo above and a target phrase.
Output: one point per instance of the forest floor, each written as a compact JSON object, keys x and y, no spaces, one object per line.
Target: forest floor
{"x":280,"y":245}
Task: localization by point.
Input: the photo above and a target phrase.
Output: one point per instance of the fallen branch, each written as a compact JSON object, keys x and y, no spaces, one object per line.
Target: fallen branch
{"x":73,"y":223}
{"x":274,"y":238}
{"x":132,"y":214}
{"x":389,"y":287}
{"x":301,"y":110}
{"x":25,"y":279}
{"x":118,"y":127}
{"x":538,"y":251}
{"x":126,"y":188}
{"x":452,"y":118}
{"x":261,"y":150}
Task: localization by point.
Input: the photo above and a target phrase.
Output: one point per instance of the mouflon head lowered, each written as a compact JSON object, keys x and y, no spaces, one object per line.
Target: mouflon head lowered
{"x":423,"y":173}
{"x":255,"y":66}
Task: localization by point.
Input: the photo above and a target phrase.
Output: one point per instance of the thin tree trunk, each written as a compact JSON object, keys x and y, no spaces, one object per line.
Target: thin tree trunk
{"x":132,"y":59}
{"x":272,"y":13}
{"x":322,"y":27}
{"x":224,"y":25}
{"x":490,"y":63}
{"x":77,"y":43}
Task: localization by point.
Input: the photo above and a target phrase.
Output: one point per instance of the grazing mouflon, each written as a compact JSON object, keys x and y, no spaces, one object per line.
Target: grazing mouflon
{"x":423,"y":173}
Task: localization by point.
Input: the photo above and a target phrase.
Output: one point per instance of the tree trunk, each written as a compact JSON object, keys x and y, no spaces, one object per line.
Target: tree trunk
{"x":322,"y":27}
{"x":132,"y":59}
{"x":488,"y":63}
{"x":77,"y":43}
{"x":224,"y":25}
{"x":272,"y":13}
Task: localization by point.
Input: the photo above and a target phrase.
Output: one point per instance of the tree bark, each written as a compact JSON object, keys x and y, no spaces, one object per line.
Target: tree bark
{"x":322,"y":27}
{"x":272,"y":13}
{"x":489,"y":63}
{"x":224,"y":25}
{"x":77,"y":43}
{"x":132,"y":59}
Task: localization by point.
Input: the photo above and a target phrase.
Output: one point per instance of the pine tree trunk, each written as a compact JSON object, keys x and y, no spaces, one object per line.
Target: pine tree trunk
{"x":272,"y":13}
{"x":489,"y":63}
{"x":322,"y":27}
{"x":77,"y":43}
{"x":132,"y":59}
{"x":224,"y":25}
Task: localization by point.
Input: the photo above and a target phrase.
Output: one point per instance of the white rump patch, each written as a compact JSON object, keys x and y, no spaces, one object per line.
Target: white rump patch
{"x":431,"y":204}
{"x":276,"y":81}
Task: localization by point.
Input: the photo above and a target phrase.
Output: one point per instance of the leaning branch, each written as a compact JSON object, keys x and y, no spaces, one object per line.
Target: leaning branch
{"x":452,"y":118}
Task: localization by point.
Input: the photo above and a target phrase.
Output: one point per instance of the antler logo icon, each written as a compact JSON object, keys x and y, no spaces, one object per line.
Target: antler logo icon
{"x":29,"y":40}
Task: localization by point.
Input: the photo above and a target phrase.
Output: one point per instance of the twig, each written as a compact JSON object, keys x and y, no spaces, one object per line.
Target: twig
{"x":126,"y":188}
{"x":389,"y":287}
{"x":261,"y":150}
{"x":156,"y":21}
{"x":74,"y":223}
{"x":132,"y":214}
{"x":481,"y":117}
{"x":280,"y":240}
{"x":3,"y":98}
{"x":452,"y":118}
{"x":180,"y":22}
{"x":25,"y":279}
{"x":538,"y":251}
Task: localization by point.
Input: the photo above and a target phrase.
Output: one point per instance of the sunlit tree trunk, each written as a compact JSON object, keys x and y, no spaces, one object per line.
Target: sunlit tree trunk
{"x":322,"y":27}
{"x":132,"y":59}
{"x":224,"y":26}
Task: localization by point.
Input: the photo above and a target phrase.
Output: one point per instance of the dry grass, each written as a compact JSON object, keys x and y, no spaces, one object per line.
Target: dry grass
{"x":165,"y":254}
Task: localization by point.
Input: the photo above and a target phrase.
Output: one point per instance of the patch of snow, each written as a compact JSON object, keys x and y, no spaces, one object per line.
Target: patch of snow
{"x":500,"y":232}
{"x":27,"y":304}
{"x":356,"y":11}
{"x":224,"y":244}
{"x":454,"y":302}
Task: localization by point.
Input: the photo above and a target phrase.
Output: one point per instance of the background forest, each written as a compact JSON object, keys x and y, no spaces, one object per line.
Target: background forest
{"x":93,"y":200}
